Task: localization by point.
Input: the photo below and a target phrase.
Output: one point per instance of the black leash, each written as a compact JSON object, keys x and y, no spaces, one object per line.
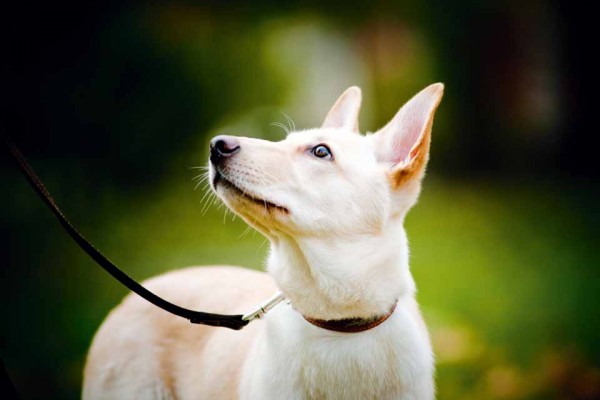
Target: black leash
{"x":196,"y":317}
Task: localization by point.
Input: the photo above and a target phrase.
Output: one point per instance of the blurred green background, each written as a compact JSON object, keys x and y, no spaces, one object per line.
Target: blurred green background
{"x":114,"y":103}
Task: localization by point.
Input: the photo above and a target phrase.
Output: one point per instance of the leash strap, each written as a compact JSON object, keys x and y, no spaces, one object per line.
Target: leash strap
{"x":196,"y":317}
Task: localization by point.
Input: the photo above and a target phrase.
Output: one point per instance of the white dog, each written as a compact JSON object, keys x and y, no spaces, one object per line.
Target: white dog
{"x":332,"y":203}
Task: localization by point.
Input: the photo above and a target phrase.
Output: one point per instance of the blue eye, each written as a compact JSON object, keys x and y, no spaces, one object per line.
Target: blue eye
{"x":321,"y":151}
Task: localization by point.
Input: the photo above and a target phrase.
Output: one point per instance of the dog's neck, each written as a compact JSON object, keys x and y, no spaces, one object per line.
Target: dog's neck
{"x":343,"y":276}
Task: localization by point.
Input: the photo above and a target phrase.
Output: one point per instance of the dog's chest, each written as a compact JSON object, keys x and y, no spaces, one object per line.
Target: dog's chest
{"x":300,"y":362}
{"x":352,"y":368}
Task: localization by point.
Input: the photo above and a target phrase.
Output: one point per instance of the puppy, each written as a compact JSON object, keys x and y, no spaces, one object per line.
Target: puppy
{"x":332,"y":203}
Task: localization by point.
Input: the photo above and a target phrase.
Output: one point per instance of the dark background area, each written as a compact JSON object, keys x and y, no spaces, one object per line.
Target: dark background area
{"x":77,"y":72}
{"x":113,"y":102}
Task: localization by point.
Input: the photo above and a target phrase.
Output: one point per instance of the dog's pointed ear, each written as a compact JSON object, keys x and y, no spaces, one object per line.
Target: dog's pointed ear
{"x":404,"y":142}
{"x":344,"y":113}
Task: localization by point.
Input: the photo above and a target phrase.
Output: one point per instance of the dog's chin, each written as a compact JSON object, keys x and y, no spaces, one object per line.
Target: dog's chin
{"x":244,"y":202}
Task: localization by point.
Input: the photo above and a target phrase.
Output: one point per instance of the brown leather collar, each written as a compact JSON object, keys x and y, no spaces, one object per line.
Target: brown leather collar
{"x":351,"y":325}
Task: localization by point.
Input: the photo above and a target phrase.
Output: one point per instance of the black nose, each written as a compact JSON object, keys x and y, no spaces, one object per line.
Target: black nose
{"x":222,"y":147}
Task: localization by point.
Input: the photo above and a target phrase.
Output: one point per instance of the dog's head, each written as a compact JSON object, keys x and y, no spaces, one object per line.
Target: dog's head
{"x":329,"y":181}
{"x":332,"y":202}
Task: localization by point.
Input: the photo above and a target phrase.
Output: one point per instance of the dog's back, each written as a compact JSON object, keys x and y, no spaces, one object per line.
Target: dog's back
{"x":143,"y":352}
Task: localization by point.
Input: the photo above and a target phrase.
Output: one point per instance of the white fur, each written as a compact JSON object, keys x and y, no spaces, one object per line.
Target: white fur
{"x":340,"y":251}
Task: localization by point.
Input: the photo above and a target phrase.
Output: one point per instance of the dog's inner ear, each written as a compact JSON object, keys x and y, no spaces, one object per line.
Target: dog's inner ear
{"x":344,"y":113}
{"x":404,"y":141}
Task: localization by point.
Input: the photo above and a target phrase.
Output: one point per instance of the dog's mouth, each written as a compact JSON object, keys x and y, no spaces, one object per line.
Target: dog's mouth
{"x":219,"y":179}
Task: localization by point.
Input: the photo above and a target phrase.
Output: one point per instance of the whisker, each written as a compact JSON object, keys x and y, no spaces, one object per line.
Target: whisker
{"x":203,"y":175}
{"x":225,"y":215}
{"x":248,"y":228}
{"x":210,"y":201}
{"x":262,"y":244}
{"x":207,"y":200}
{"x":282,"y":126}
{"x":290,"y":122}
{"x":200,"y":182}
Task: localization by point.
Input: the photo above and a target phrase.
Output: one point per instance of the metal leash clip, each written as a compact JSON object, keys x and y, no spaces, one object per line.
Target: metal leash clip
{"x":264,"y":308}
